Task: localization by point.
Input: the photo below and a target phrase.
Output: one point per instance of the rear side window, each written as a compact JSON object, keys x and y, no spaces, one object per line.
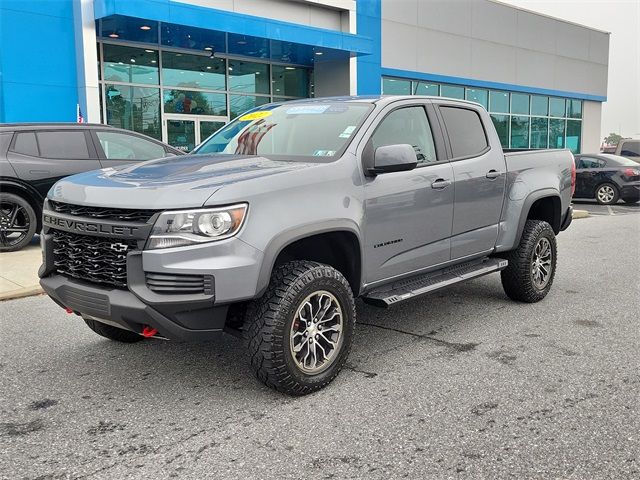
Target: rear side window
{"x":589,"y":162}
{"x":407,"y":125}
{"x":465,"y":130}
{"x":5,"y":140}
{"x":26,"y":144}
{"x":120,"y":146}
{"x":630,"y":149}
{"x":63,"y":144}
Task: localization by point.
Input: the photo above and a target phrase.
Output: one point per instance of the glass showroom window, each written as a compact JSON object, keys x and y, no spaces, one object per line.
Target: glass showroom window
{"x":519,"y":132}
{"x":478,"y":95}
{"x":133,"y":108}
{"x":195,"y":103}
{"x":395,"y":86}
{"x":130,"y":65}
{"x":501,"y":122}
{"x":498,"y":102}
{"x":557,"y":107}
{"x":539,"y":105}
{"x":290,"y":81}
{"x":539,"y":132}
{"x":193,"y":71}
{"x":520,"y":104}
{"x":248,"y":77}
{"x":424,"y":88}
{"x":452,"y":91}
{"x":556,"y":133}
{"x":574,"y":134}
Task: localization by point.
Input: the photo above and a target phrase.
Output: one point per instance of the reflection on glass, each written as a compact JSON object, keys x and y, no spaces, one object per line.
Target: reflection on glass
{"x":290,"y":81}
{"x":181,"y":134}
{"x":556,"y":107}
{"x":520,"y":103}
{"x":195,"y":103}
{"x":241,"y":103}
{"x":130,"y":65}
{"x":498,"y":102}
{"x":501,"y":122}
{"x":539,"y":132}
{"x":539,"y":105}
{"x":556,"y":133}
{"x":134,"y":108}
{"x":574,"y":109}
{"x":195,"y":71}
{"x":395,"y":86}
{"x":208,"y":128}
{"x":574,"y":133}
{"x":128,"y":28}
{"x":423,"y":88}
{"x":452,"y":91}
{"x":248,"y":77}
{"x":519,"y":132}
{"x":478,"y":95}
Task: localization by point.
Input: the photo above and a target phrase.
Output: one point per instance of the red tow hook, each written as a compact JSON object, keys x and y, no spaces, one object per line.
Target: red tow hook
{"x":148,"y":331}
{"x":68,"y":310}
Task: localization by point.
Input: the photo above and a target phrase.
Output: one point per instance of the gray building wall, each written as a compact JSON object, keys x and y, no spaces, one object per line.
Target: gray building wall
{"x":330,"y":14}
{"x":591,"y":121}
{"x":486,"y":40}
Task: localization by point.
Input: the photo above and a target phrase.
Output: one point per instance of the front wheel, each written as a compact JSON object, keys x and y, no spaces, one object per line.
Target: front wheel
{"x":532,"y":266}
{"x":607,"y":194}
{"x":299,"y":332}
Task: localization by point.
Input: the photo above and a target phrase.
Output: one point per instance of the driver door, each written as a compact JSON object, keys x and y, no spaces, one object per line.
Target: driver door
{"x":408,"y":215}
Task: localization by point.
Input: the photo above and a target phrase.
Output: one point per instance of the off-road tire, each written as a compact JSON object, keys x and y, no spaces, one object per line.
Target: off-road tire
{"x":614,"y":199}
{"x":268,"y":325}
{"x":113,"y":333}
{"x":516,"y":278}
{"x":33,"y":221}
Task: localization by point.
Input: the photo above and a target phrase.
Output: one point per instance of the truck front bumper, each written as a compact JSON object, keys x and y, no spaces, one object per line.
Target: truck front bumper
{"x":193,"y":321}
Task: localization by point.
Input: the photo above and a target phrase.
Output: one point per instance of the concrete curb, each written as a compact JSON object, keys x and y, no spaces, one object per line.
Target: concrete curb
{"x":580,"y":214}
{"x":21,"y":293}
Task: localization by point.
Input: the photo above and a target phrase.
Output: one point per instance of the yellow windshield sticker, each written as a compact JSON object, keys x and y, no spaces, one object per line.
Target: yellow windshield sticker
{"x":255,"y":115}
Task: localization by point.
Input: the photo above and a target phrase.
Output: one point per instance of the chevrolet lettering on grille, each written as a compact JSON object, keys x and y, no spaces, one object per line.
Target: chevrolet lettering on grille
{"x":91,"y":228}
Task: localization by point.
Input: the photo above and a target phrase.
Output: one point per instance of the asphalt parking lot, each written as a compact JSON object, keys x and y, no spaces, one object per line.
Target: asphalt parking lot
{"x":594,"y":208}
{"x":461,"y":384}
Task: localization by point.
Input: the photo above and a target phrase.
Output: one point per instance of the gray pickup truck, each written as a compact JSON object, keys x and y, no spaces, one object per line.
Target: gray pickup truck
{"x":273,"y":226}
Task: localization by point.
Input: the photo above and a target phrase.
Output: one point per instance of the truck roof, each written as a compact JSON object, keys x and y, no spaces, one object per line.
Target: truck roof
{"x":379,"y":99}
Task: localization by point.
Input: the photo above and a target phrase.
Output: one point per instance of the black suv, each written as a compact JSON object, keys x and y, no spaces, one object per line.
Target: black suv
{"x":34,"y":156}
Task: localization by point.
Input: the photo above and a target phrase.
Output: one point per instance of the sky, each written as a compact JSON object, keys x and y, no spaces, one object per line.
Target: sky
{"x":621,"y":111}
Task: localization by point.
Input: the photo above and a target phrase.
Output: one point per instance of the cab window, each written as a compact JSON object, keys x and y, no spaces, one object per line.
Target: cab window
{"x":408,"y":125}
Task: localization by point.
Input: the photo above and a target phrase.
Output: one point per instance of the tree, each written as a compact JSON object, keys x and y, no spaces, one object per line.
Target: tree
{"x":612,"y":139}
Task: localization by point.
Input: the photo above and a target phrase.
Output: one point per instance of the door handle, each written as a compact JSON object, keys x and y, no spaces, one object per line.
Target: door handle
{"x":492,"y":174}
{"x":440,"y":183}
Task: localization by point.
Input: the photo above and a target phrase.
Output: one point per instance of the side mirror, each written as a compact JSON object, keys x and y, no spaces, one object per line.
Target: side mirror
{"x":393,"y":158}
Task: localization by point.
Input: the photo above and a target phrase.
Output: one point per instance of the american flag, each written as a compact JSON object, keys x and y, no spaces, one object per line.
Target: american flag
{"x":79,"y":114}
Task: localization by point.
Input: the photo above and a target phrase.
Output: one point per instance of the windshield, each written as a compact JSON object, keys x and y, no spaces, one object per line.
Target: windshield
{"x":320,"y":129}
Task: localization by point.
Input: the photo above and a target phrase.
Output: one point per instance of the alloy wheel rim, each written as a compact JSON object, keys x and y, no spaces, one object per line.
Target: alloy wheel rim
{"x":316,"y":332}
{"x":541,"y":263}
{"x":606,"y":194}
{"x":14,"y":224}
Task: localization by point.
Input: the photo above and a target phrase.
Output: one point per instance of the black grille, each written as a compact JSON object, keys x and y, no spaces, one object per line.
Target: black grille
{"x":94,"y":259}
{"x":179,"y":283}
{"x":117,"y":214}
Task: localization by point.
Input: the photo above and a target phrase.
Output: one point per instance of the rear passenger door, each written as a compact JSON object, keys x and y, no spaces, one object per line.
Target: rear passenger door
{"x":118,"y":148}
{"x":479,"y":175}
{"x":42,"y":157}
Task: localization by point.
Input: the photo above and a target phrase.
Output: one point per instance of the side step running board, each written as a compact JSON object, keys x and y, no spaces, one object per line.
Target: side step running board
{"x":429,"y":282}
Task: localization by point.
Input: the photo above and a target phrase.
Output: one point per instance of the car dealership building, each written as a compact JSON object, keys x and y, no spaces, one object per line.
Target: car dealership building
{"x":178,"y":70}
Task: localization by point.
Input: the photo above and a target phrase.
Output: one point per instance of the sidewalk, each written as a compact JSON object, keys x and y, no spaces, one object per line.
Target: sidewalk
{"x":19,"y":272}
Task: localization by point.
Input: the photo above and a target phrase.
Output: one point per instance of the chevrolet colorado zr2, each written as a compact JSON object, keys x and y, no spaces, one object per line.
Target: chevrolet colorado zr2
{"x":273,"y":225}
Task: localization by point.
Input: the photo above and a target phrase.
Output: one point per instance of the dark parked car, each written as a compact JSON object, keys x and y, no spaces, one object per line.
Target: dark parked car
{"x":607,"y":178}
{"x":34,"y":156}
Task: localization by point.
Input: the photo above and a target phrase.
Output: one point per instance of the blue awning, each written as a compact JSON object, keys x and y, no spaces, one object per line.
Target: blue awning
{"x":230,"y":32}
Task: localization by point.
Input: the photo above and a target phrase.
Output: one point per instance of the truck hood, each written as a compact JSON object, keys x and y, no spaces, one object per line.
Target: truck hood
{"x":175,"y":182}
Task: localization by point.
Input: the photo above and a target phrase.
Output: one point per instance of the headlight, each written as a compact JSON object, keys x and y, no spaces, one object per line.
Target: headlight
{"x":188,"y":227}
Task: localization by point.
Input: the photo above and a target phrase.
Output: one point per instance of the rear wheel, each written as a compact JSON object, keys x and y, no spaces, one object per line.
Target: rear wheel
{"x":607,"y":194}
{"x":17,"y":222}
{"x":299,"y":333}
{"x":113,"y":333}
{"x":532,"y":266}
